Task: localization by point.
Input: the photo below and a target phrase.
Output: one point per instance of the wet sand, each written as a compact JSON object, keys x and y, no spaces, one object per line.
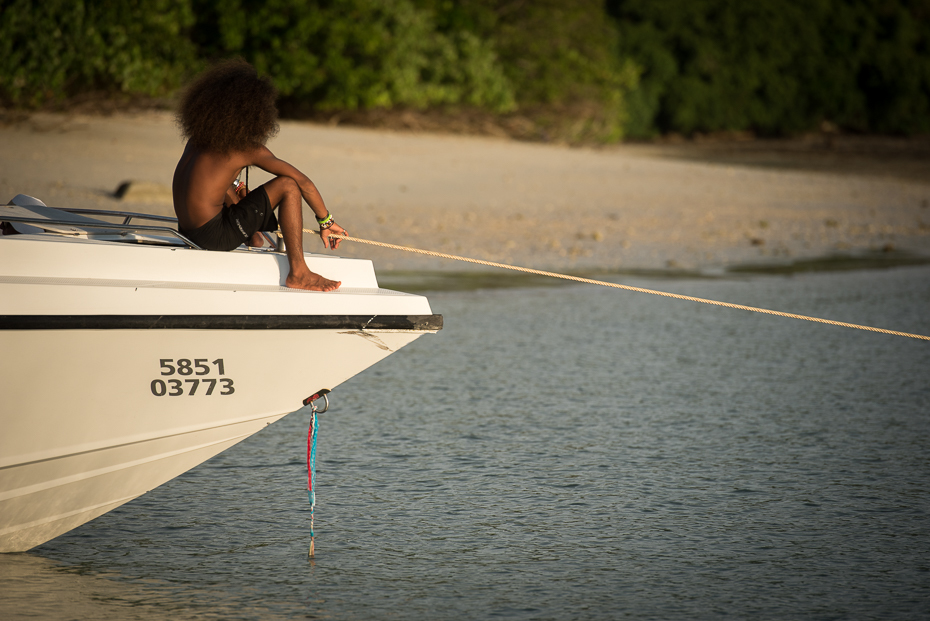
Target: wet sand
{"x":622,"y":208}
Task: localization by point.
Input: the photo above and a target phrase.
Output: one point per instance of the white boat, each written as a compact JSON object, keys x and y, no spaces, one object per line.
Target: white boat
{"x":130,"y":356}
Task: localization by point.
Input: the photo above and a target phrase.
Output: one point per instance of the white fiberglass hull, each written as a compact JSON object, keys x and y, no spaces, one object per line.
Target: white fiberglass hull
{"x":123,"y":368}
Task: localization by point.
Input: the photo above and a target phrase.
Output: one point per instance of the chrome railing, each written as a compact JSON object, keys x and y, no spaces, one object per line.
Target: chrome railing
{"x":123,"y":229}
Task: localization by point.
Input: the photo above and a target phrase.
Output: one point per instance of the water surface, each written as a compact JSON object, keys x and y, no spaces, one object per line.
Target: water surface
{"x":561,"y":453}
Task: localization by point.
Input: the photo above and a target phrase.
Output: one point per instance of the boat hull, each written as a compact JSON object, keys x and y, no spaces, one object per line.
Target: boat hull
{"x":124,"y":414}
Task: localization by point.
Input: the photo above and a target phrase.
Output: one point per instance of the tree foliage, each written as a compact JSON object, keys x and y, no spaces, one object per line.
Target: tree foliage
{"x":601,"y":68}
{"x":778,"y":66}
{"x":55,"y":48}
{"x":561,"y":57}
{"x":351,"y":54}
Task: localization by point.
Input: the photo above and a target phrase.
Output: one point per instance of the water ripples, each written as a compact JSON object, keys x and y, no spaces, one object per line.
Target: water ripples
{"x":574,"y":453}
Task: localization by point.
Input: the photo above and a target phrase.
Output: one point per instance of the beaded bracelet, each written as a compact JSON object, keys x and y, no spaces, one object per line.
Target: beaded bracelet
{"x":326,"y":222}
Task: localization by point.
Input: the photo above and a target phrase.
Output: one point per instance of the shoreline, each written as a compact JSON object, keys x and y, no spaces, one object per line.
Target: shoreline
{"x":419,"y":281}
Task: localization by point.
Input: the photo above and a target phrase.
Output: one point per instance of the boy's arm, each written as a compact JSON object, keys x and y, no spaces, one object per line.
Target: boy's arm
{"x":266,"y":160}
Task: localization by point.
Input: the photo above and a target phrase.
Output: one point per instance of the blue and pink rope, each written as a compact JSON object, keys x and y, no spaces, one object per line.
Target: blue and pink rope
{"x":311,"y":469}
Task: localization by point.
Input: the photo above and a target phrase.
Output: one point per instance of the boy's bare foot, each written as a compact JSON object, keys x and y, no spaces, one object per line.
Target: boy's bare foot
{"x":311,"y":282}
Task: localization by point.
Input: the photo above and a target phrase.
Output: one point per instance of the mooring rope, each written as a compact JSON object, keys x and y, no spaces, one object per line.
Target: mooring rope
{"x":528,"y":270}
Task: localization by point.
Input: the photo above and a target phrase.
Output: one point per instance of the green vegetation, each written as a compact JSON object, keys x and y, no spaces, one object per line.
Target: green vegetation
{"x":578,"y":70}
{"x":777,"y":66}
{"x":351,"y":54}
{"x":561,"y":57}
{"x":54,"y":49}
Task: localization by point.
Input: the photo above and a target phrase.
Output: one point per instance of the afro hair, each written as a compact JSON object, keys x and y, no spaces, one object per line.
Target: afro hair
{"x":228,"y":108}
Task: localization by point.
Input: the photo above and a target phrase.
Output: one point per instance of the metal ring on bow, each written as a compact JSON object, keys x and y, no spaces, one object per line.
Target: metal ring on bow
{"x":314,"y":408}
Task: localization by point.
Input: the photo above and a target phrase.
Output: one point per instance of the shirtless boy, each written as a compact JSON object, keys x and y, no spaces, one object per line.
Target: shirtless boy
{"x":227,"y":114}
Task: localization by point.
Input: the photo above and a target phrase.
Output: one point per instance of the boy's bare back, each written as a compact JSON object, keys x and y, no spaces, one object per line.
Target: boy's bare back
{"x":201,"y":181}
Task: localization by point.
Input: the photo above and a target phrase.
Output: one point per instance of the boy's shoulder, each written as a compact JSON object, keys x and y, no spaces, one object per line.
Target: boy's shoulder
{"x":235,"y":157}
{"x":244,"y":157}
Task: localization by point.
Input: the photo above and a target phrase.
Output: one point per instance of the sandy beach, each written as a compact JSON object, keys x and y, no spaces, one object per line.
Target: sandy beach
{"x":623,"y":208}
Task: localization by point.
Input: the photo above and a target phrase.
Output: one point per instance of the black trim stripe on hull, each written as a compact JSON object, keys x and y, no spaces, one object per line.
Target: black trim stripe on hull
{"x":221,"y":322}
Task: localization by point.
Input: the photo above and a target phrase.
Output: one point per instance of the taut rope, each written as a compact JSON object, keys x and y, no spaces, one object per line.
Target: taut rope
{"x":527,"y":270}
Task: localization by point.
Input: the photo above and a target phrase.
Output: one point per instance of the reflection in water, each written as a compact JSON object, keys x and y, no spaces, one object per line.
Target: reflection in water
{"x":32,"y":587}
{"x":567,"y":452}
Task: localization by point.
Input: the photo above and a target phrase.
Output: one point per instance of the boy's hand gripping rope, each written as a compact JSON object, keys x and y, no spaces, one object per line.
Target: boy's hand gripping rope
{"x":443,"y":255}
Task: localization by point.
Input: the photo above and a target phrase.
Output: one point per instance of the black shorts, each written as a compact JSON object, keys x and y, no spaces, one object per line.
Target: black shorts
{"x":235,"y":224}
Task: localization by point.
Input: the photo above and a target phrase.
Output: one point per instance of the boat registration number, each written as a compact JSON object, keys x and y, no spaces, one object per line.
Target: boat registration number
{"x":195,"y":378}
